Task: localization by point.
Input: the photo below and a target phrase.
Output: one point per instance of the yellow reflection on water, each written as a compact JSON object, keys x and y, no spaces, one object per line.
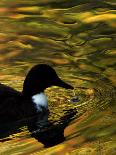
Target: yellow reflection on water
{"x":78,"y":40}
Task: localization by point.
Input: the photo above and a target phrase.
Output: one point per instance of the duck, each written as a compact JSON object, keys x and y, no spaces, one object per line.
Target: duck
{"x":16,"y":105}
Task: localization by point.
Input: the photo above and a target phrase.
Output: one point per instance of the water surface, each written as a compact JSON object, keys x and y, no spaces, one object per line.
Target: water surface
{"x":77,"y":38}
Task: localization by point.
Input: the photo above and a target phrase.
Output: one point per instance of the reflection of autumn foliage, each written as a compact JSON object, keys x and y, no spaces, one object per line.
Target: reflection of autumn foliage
{"x":78,"y":39}
{"x":9,"y":55}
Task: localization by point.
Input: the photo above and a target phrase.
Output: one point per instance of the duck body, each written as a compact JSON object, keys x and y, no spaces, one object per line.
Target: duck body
{"x":15,"y":105}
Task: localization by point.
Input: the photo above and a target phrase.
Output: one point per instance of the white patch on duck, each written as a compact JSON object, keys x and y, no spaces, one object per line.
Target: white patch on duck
{"x":40,"y":101}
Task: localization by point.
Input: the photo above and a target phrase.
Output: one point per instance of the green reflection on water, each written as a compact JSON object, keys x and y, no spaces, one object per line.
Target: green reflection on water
{"x":78,"y":39}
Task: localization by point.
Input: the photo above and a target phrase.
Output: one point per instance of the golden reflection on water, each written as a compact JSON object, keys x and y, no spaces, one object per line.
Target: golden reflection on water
{"x":78,"y":39}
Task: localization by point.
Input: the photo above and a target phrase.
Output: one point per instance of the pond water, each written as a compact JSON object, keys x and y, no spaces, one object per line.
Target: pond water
{"x":77,"y":38}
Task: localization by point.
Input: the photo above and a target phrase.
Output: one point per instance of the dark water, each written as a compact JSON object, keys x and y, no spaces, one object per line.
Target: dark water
{"x":78,"y":39}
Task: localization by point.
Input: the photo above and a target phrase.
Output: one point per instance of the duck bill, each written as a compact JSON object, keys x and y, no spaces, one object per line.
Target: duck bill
{"x":62,"y":84}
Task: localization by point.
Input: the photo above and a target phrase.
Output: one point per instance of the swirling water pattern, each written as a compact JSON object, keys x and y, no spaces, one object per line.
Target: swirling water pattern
{"x":78,"y":39}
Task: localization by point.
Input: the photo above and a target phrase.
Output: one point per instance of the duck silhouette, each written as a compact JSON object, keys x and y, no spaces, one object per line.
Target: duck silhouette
{"x":15,"y":105}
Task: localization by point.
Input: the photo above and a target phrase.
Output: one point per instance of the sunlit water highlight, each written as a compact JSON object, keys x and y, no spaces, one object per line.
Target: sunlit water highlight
{"x":78,"y":39}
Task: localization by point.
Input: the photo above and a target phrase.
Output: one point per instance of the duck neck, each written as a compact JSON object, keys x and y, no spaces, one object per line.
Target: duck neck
{"x":30,"y":88}
{"x":37,"y":96}
{"x":40,"y":101}
{"x":31,"y":91}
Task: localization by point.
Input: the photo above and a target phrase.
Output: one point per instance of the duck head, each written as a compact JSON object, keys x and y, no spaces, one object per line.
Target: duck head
{"x":39,"y":78}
